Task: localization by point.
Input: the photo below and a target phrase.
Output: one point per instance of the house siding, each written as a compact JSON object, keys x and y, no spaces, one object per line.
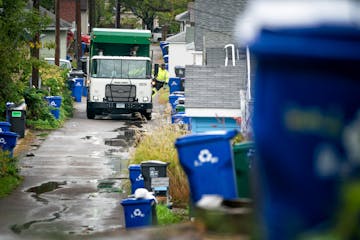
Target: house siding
{"x":214,"y":87}
{"x":216,"y":21}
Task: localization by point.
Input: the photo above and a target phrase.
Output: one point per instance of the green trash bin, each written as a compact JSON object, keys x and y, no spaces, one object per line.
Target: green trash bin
{"x":180,"y":108}
{"x":242,"y":160}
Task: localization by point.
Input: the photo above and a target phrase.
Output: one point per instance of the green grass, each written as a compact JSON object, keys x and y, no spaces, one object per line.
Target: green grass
{"x":7,"y":184}
{"x":165,"y":216}
{"x":9,"y":174}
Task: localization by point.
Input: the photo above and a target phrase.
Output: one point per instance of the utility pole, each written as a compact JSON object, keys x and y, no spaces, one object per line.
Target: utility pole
{"x":78,"y":33}
{"x":118,"y":9}
{"x":91,"y":5}
{"x":35,"y":50}
{"x":57,"y":32}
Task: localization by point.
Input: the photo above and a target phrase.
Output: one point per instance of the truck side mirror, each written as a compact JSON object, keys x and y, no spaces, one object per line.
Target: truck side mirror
{"x":156,"y":69}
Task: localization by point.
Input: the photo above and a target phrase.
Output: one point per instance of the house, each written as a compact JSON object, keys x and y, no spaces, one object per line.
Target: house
{"x":213,"y":90}
{"x":68,"y":13}
{"x":47,"y":36}
{"x":181,"y":46}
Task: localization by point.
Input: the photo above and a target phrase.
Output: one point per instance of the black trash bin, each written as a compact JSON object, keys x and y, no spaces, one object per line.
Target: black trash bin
{"x":16,"y":116}
{"x":76,"y":74}
{"x":153,"y":169}
{"x":180,"y":71}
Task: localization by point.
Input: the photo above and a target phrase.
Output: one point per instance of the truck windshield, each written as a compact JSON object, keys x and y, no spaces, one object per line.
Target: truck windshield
{"x":120,"y":68}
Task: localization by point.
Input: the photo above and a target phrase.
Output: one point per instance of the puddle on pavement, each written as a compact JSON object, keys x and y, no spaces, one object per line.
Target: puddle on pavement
{"x":86,"y":138}
{"x":18,"y":228}
{"x":116,"y":142}
{"x":109,"y":185}
{"x":44,"y":188}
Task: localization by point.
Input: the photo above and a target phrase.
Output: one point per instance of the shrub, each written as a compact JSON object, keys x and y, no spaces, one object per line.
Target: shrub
{"x":9,"y":173}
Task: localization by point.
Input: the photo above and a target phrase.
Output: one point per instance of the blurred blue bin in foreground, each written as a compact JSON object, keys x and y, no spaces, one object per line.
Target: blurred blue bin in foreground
{"x":4,"y":126}
{"x":138,"y":212}
{"x":208,"y":162}
{"x":8,"y":141}
{"x":306,"y":116}
{"x":136,"y":178}
{"x":55,"y":103}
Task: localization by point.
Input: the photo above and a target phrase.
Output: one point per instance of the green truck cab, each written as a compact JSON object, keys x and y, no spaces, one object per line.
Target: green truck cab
{"x":119,"y":78}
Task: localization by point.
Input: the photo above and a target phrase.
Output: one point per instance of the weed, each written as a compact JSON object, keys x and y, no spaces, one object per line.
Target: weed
{"x":166,"y":216}
{"x":159,"y":145}
{"x":163,"y":96}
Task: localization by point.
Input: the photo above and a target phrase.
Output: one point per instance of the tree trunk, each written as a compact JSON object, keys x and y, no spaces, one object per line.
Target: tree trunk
{"x":36,"y":51}
{"x":78,"y":34}
{"x":118,"y":9}
{"x":57,"y":32}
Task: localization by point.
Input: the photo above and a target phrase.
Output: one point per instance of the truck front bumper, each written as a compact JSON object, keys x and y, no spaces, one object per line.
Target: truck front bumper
{"x":119,"y":108}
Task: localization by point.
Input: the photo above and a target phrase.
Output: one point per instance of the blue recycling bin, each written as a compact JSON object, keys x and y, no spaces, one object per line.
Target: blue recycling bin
{"x":8,"y":141}
{"x":136,"y":178}
{"x":174,"y":84}
{"x":164,"y":47}
{"x":181,"y":118}
{"x":305,"y":115}
{"x":78,"y":89}
{"x":55,"y":104}
{"x":166,"y":59}
{"x":204,"y":156}
{"x":4,"y":126}
{"x":137,"y":212}
{"x":173,"y":97}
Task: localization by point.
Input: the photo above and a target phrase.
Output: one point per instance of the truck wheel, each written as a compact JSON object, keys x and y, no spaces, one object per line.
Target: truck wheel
{"x":90,"y":114}
{"x":147,"y":116}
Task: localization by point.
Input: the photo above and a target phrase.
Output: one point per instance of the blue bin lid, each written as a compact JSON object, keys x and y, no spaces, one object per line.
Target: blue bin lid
{"x":135,"y":201}
{"x":5,"y":124}
{"x":314,"y":42}
{"x":53,"y":97}
{"x":134,"y":167}
{"x":206,"y":136}
{"x":8,"y":134}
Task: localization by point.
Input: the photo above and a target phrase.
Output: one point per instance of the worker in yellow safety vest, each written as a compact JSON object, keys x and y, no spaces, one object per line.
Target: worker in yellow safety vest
{"x":163,"y":74}
{"x":163,"y":77}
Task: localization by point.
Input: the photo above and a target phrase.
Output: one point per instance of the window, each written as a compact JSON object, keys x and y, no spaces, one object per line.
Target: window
{"x":120,"y":68}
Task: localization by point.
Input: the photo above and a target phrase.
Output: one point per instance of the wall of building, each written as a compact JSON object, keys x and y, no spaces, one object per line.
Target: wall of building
{"x":214,"y":87}
{"x":178,"y":56}
{"x":50,"y":38}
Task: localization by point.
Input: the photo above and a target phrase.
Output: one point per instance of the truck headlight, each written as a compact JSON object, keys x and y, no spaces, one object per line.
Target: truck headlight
{"x":145,"y":99}
{"x":96,"y":98}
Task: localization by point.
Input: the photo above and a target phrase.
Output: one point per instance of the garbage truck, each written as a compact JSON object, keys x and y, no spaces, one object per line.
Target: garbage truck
{"x":119,"y":78}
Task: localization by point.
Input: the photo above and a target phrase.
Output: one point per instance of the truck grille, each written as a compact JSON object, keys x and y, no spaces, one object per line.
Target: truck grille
{"x":120,"y":93}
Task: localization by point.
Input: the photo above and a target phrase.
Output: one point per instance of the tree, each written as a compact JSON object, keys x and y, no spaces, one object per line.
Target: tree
{"x":18,"y":28}
{"x":148,"y":10}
